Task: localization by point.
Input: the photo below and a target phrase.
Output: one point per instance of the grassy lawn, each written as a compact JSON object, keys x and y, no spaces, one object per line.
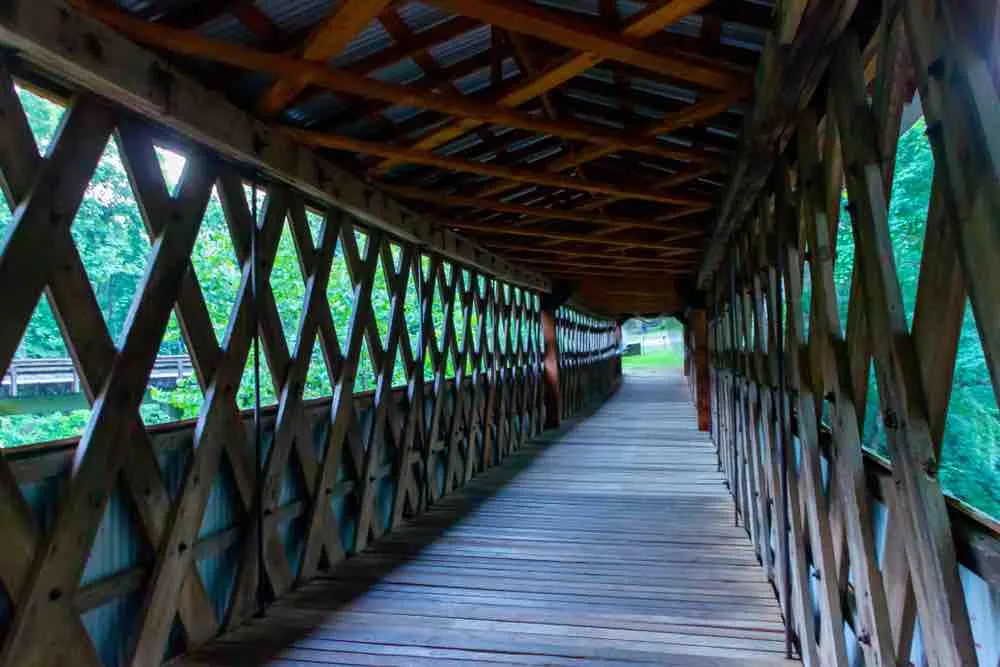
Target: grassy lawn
{"x":658,"y":359}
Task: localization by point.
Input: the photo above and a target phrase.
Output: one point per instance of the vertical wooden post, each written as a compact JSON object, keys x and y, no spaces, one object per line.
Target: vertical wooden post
{"x":698,"y":371}
{"x":618,"y":357}
{"x":552,"y":397}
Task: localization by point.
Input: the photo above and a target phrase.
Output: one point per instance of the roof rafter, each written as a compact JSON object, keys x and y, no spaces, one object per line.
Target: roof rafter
{"x":542,"y":213}
{"x":332,"y":36}
{"x":647,"y":22}
{"x":336,"y":142}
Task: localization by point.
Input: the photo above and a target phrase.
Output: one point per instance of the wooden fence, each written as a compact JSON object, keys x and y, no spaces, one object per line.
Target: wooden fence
{"x":130,"y":544}
{"x":881,"y":565}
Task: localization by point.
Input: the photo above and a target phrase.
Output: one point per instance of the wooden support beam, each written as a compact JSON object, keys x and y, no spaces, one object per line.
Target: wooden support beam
{"x":336,"y":142}
{"x":701,"y":110}
{"x":547,"y":234}
{"x":332,"y":36}
{"x":552,"y":397}
{"x":57,"y":37}
{"x":515,"y":249}
{"x":647,"y":22}
{"x":576,"y":33}
{"x":448,"y":200}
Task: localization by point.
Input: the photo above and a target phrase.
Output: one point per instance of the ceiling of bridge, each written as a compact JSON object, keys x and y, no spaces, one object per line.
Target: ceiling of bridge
{"x":587,"y":139}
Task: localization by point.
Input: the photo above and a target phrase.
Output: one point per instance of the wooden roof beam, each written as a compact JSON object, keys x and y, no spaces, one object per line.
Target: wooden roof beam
{"x":348,"y":19}
{"x":528,"y":232}
{"x":576,"y":33}
{"x":336,"y":142}
{"x":287,"y":67}
{"x":442,"y":199}
{"x":650,"y":20}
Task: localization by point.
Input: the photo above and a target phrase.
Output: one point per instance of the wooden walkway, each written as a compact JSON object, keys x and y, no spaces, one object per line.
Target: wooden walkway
{"x":609,"y":542}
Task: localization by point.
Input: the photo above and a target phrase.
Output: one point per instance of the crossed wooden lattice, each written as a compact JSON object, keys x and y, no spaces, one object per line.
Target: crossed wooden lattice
{"x":468,"y":418}
{"x":830,"y":525}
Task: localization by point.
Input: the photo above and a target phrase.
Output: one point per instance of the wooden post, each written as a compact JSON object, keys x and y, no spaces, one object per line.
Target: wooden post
{"x":698,"y":372}
{"x":552,"y":397}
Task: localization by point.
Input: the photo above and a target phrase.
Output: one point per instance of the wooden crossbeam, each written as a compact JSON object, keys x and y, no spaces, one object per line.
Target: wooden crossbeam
{"x":298,"y":69}
{"x":327,"y":40}
{"x":441,"y":199}
{"x":644,"y":24}
{"x":518,"y":250}
{"x":336,"y":142}
{"x":575,"y":33}
{"x":546,"y":234}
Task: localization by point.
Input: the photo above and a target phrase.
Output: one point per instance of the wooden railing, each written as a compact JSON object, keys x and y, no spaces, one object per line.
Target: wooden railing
{"x":58,"y":372}
{"x":871,"y":559}
{"x":132,"y":543}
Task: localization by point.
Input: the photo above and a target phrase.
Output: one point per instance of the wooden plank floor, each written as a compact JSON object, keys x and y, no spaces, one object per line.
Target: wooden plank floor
{"x":611,"y":542}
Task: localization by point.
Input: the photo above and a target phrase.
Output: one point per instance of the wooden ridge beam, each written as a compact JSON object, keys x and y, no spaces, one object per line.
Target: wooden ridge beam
{"x":647,"y":22}
{"x":330,"y":38}
{"x":599,"y":266}
{"x":337,"y":142}
{"x":430,"y":197}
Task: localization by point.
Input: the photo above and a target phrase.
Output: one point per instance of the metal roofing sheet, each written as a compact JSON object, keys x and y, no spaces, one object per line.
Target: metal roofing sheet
{"x":297,"y":15}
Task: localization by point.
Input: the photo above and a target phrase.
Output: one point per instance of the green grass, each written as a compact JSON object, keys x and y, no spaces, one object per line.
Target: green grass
{"x":658,"y":359}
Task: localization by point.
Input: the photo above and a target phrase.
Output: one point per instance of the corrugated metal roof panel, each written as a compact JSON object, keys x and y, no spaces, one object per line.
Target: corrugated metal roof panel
{"x":298,"y":15}
{"x":588,"y":7}
{"x":462,"y":47}
{"x":371,"y":40}
{"x":403,"y":72}
{"x":419,"y":16}
{"x":743,"y":36}
{"x":228,"y":28}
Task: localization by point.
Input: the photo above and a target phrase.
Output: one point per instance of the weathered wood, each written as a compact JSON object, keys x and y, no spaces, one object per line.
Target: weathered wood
{"x":490,"y":576}
{"x":121,"y":71}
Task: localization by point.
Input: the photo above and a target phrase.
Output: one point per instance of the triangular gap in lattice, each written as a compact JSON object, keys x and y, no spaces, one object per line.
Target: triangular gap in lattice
{"x":172,"y":166}
{"x":461,"y":301}
{"x":364,"y":379}
{"x":245,"y":396}
{"x":972,"y":427}
{"x":315,"y":221}
{"x":117,"y":547}
{"x":173,"y":391}
{"x":110,"y":235}
{"x":216,"y":266}
{"x":411,"y":312}
{"x":806,"y":301}
{"x":873,"y":435}
{"x":33,"y":412}
{"x":288,"y":285}
{"x":43,"y":114}
{"x":318,"y":374}
{"x":843,"y":262}
{"x":381,"y":301}
{"x":223,"y":513}
{"x":340,"y":294}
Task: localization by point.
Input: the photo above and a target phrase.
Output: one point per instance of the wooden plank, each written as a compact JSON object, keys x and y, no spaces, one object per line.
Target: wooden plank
{"x":537,"y":562}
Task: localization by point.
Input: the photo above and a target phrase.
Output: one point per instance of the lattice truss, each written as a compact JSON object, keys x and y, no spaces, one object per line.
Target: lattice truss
{"x":588,"y":357}
{"x":868,"y":579}
{"x":336,"y":471}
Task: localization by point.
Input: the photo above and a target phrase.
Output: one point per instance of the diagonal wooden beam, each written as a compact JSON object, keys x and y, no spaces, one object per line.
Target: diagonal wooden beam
{"x":443,"y":199}
{"x":336,"y":142}
{"x":577,"y":33}
{"x":702,"y":110}
{"x":328,"y":40}
{"x":287,"y":67}
{"x":547,"y":234}
{"x":647,"y":22}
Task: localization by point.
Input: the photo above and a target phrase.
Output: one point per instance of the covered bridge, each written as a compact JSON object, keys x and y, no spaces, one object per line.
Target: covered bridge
{"x":310,"y":332}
